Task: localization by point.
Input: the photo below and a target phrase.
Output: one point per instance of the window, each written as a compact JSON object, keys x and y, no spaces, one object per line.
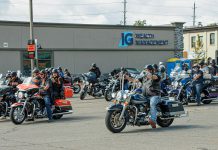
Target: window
{"x":44,"y":61}
{"x":193,"y":41}
{"x":201,"y":38}
{"x":212,"y":38}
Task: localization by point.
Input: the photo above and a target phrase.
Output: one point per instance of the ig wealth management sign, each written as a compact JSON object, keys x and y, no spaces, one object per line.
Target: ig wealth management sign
{"x":140,"y":39}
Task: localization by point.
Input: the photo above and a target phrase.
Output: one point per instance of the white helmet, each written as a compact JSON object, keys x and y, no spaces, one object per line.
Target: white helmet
{"x":161,"y":63}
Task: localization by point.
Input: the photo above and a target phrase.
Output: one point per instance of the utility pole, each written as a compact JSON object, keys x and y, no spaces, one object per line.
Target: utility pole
{"x":31,"y":28}
{"x":194,"y":15}
{"x":124,"y":13}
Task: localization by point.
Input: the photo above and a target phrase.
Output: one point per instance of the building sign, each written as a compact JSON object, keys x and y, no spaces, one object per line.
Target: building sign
{"x":142,"y":39}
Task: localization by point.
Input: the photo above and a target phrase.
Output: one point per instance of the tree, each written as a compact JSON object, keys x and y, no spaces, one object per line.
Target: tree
{"x":199,"y":52}
{"x":140,"y":23}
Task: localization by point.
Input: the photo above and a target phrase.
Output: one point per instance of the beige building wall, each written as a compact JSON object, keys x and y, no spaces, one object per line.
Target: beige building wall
{"x":209,"y":49}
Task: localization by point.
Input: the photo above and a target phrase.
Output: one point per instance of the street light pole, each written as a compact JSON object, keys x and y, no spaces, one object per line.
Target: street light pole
{"x":31,"y":28}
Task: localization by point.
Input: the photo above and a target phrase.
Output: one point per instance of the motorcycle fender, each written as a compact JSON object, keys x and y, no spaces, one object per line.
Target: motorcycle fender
{"x":115,"y":107}
{"x":17,"y":104}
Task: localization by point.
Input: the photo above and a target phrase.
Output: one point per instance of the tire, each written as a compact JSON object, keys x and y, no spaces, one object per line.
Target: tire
{"x":83,"y":94}
{"x":19,"y":119}
{"x":164,"y":123}
{"x":109,"y":118}
{"x":76,"y":88}
{"x":206,"y":96}
{"x":108,"y":96}
{"x":56,"y":117}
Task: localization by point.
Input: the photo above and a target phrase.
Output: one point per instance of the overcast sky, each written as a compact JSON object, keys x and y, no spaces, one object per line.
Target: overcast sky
{"x":155,"y":12}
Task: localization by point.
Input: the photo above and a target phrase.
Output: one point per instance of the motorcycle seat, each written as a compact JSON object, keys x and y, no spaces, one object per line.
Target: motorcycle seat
{"x":138,"y":99}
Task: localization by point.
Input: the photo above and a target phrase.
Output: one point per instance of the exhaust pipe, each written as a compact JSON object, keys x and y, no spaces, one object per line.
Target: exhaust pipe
{"x":64,"y":113}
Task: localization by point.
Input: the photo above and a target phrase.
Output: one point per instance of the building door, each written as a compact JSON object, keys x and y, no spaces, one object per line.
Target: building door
{"x":45,"y":60}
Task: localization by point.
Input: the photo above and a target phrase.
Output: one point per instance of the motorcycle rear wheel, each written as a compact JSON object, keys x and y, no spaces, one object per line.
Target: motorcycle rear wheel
{"x":205,"y":96}
{"x":164,"y":122}
{"x":16,"y":116}
{"x":112,"y":121}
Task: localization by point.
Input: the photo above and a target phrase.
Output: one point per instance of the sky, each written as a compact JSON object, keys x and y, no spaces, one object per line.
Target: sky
{"x":155,"y":12}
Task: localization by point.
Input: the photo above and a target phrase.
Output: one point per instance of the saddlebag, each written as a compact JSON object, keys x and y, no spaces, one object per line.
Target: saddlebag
{"x":68,"y":92}
{"x":172,"y":108}
{"x":63,"y":104}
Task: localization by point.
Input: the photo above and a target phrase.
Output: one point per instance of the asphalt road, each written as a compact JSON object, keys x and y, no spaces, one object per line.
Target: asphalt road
{"x":86,"y":130}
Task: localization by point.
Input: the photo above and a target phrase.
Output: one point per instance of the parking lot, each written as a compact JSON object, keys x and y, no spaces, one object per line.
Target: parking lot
{"x":85,"y":130}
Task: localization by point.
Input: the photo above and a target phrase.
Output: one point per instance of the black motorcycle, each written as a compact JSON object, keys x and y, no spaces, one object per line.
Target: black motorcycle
{"x":7,"y":98}
{"x":91,"y":87}
{"x":133,"y":109}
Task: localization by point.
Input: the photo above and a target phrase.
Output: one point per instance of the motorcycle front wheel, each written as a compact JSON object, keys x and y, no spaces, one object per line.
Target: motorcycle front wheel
{"x":17,"y":116}
{"x":83,"y":93}
{"x":113,"y":123}
{"x":108,"y":95}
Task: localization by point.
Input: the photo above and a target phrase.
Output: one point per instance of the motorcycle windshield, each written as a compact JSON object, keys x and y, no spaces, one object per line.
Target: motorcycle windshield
{"x":27,"y":84}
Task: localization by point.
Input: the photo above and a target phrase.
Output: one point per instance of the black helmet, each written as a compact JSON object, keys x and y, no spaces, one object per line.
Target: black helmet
{"x":35,"y":70}
{"x":14,"y":74}
{"x":42,"y":72}
{"x":155,"y":66}
{"x":59,"y":68}
{"x":54,"y":71}
{"x":149,"y":67}
{"x":162,"y":69}
{"x":201,"y":63}
{"x":94,"y":65}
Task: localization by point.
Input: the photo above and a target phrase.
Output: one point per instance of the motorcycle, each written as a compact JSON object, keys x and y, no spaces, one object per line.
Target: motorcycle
{"x":30,"y":105}
{"x":75,"y":84}
{"x":183,"y":91}
{"x":91,"y":87}
{"x":132,"y":108}
{"x":7,"y":98}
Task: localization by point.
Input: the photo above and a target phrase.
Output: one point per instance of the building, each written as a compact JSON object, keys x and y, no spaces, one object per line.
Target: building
{"x":76,"y":46}
{"x":209,"y":37}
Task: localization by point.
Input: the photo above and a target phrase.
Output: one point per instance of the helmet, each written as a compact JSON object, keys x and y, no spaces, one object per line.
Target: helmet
{"x":59,"y":68}
{"x":46,"y":69}
{"x":55,"y":71}
{"x":14,"y":74}
{"x":43,"y":72}
{"x":162,"y":69}
{"x":155,"y":66}
{"x":94,"y":65}
{"x":201,"y":63}
{"x":149,"y":67}
{"x":35,"y":70}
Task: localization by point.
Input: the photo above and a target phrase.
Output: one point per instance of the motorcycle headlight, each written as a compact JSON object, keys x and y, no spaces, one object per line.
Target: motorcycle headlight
{"x":20,"y":95}
{"x":113,"y":95}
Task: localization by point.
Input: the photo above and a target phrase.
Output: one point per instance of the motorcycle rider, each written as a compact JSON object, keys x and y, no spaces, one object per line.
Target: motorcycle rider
{"x":213,"y":68}
{"x":46,"y":91}
{"x":36,"y":79}
{"x":61,"y":73}
{"x":197,"y":76}
{"x":57,"y":85}
{"x":151,"y":88}
{"x":95,"y":69}
{"x":14,"y":80}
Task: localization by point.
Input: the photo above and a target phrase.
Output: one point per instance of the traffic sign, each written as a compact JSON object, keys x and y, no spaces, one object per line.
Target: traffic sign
{"x":31,"y":48}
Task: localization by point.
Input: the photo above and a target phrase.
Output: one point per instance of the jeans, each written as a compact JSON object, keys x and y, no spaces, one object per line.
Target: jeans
{"x":197,"y":91}
{"x":154,"y":100}
{"x":47,"y":100}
